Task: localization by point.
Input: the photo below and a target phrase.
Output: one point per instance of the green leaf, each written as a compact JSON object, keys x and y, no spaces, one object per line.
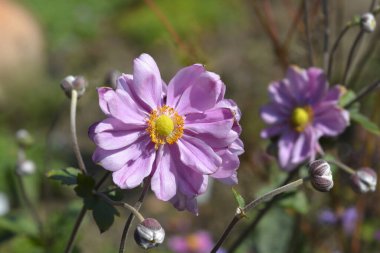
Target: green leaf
{"x":364,"y":122}
{"x":103,"y":214}
{"x":239,"y":199}
{"x":347,"y":97}
{"x":84,"y":188}
{"x":66,"y":176}
{"x":298,"y":202}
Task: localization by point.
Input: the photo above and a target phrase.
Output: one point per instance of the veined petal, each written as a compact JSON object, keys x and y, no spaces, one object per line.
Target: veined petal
{"x":317,"y":84}
{"x":164,"y":183}
{"x":298,"y":83}
{"x":114,"y":160}
{"x":304,"y":146}
{"x":285,"y":147}
{"x":330,"y":120}
{"x":202,"y":95}
{"x":273,"y":114}
{"x":229,"y":165}
{"x":181,"y":81}
{"x":273,"y":130}
{"x":183,"y":202}
{"x":133,"y":173}
{"x":198,"y":155}
{"x":279,"y":94}
{"x":112,"y":134}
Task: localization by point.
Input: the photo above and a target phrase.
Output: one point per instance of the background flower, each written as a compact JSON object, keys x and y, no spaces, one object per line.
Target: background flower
{"x":301,"y":110}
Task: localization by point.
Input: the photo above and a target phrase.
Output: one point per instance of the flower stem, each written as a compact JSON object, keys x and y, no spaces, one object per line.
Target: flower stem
{"x":240,"y":213}
{"x":335,"y":47}
{"x":137,"y":206}
{"x":80,"y":217}
{"x":307,"y":31}
{"x":326,"y":33}
{"x":342,"y":166}
{"x":73,"y":107}
{"x":358,"y":38}
{"x":364,"y":92}
{"x":123,"y":204}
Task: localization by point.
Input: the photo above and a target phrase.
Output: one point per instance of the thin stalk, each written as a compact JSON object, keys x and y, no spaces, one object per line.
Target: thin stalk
{"x":363,"y":93}
{"x":307,"y":31}
{"x":80,"y":217}
{"x":131,"y":216}
{"x":123,"y":204}
{"x":342,"y":166}
{"x":73,"y":108}
{"x":351,"y":56}
{"x":240,"y":212}
{"x":335,"y":47}
{"x":326,"y":33}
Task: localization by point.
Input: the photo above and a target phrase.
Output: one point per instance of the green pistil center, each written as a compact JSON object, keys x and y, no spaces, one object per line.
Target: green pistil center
{"x":164,"y":125}
{"x":301,"y":117}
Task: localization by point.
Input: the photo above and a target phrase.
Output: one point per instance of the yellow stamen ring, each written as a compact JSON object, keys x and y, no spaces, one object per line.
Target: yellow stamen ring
{"x":301,"y":117}
{"x":165,"y":126}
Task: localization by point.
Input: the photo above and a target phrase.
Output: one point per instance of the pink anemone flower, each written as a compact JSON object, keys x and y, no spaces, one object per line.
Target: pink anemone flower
{"x":177,"y":134}
{"x":302,"y":109}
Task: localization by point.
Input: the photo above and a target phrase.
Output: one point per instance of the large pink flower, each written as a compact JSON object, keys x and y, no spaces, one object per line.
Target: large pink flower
{"x":179,"y":133}
{"x":302,"y":109}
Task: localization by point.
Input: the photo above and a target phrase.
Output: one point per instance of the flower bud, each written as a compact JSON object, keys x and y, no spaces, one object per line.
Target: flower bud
{"x":26,"y":167}
{"x":364,"y":180}
{"x":368,"y":22}
{"x":111,"y":78}
{"x":149,"y":233}
{"x":78,"y":83}
{"x":321,"y":176}
{"x":24,"y":139}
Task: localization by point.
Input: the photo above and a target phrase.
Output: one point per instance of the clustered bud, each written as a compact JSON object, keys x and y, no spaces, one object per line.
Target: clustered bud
{"x":24,"y":139}
{"x":78,"y":83}
{"x":149,"y":233}
{"x":364,"y":180}
{"x":321,"y":176}
{"x":368,"y":22}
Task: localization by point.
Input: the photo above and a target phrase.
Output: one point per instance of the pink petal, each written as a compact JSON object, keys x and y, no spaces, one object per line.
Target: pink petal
{"x":317,"y":84}
{"x":163,"y":181}
{"x":183,"y":202}
{"x":273,"y":114}
{"x":198,"y":155}
{"x":273,"y":130}
{"x":330,"y":120}
{"x":229,"y":165}
{"x":285,"y":147}
{"x":134,"y":172}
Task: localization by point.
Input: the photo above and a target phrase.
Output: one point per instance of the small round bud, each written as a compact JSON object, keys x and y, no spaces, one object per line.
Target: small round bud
{"x":78,"y":83}
{"x":321,"y":176}
{"x":24,"y":139}
{"x":368,"y":22}
{"x":149,"y":233}
{"x":364,"y":180}
{"x":111,"y":78}
{"x":26,"y":167}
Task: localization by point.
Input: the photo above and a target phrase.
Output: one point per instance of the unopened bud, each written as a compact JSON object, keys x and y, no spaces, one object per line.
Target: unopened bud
{"x":111,"y":78}
{"x":26,"y":167}
{"x":364,"y":180}
{"x":321,"y":176}
{"x":368,"y":22}
{"x":149,"y":233}
{"x":78,"y":83}
{"x":24,"y":139}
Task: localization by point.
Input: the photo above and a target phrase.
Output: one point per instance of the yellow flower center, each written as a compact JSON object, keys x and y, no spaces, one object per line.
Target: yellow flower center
{"x":301,"y":117}
{"x":165,"y":126}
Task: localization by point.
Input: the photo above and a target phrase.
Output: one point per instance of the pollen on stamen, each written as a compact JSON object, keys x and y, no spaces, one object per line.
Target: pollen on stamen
{"x":165,"y":126}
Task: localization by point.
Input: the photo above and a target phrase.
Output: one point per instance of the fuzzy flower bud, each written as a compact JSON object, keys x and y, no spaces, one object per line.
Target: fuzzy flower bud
{"x":321,"y":176}
{"x":364,"y":180}
{"x":24,"y":139}
{"x":26,"y":167}
{"x":368,"y":22}
{"x":78,"y":83}
{"x":149,"y":233}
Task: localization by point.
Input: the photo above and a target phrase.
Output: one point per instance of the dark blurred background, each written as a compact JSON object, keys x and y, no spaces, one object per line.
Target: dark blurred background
{"x":249,"y":43}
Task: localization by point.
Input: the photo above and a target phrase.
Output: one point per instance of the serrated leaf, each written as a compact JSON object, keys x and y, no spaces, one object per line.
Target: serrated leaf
{"x":346,"y":98}
{"x":239,"y":199}
{"x":103,"y":214}
{"x":66,"y":176}
{"x":84,"y":188}
{"x":364,"y":122}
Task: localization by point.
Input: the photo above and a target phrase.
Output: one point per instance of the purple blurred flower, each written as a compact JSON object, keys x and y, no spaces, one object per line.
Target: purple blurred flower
{"x":198,"y":242}
{"x":349,"y":220}
{"x":327,"y":216}
{"x":301,"y":110}
{"x":377,"y":235}
{"x":179,"y":133}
